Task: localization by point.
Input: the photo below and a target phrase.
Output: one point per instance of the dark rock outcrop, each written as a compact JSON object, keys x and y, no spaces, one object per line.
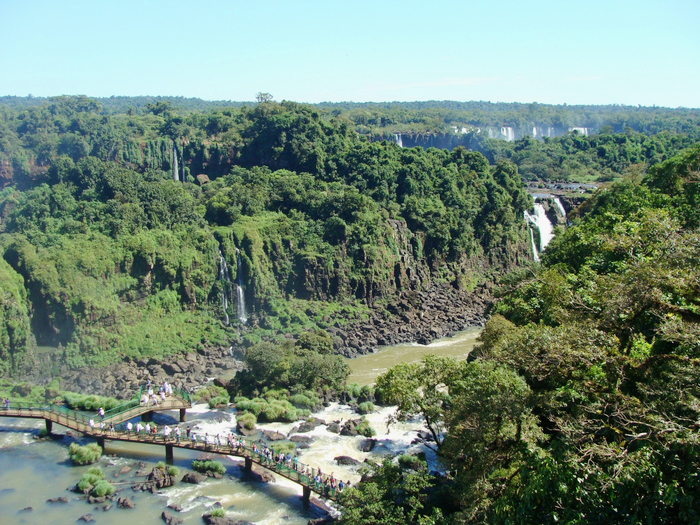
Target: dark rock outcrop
{"x":346,"y":461}
{"x":169,"y":519}
{"x":193,"y":477}
{"x":367,"y":445}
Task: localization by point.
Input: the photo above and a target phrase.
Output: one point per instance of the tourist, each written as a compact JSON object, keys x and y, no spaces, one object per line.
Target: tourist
{"x":194,"y":438}
{"x":162,"y":396}
{"x":92,"y":424}
{"x":139,"y":428}
{"x":177,"y":434}
{"x":296,"y":462}
{"x":341,"y":486}
{"x":166,"y":432}
{"x":148,"y":428}
{"x":101,"y":412}
{"x":129,"y":427}
{"x":102,"y":427}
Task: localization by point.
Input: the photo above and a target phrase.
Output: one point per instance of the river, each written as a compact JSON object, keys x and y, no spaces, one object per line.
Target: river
{"x":31,"y":472}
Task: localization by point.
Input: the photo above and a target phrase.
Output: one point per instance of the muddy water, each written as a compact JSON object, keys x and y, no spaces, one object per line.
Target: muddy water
{"x":365,"y":369}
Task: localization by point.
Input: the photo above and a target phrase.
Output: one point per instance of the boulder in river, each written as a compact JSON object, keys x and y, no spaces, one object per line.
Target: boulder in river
{"x":346,"y":461}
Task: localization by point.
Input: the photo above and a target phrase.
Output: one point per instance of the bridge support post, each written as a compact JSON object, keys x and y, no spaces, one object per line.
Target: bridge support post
{"x":49,"y":425}
{"x":101,"y":443}
{"x":183,"y":415}
{"x":306,"y":495}
{"x":248,"y":465}
{"x":147,"y":417}
{"x":169,"y":454}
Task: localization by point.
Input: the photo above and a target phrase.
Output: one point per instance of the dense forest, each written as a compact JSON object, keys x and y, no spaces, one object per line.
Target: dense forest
{"x":150,"y":227}
{"x":581,"y":404}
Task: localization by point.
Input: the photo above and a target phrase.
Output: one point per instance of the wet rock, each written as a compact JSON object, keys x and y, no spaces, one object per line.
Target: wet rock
{"x":243,"y":431}
{"x":301,"y":440}
{"x":60,"y":499}
{"x":350,"y":428}
{"x":175,"y":507}
{"x":106,"y":507}
{"x":273,"y":435}
{"x":216,"y":520}
{"x":193,"y":477}
{"x":125,"y":503}
{"x":169,"y":519}
{"x":258,"y":475}
{"x":125,"y":470}
{"x":86,"y":518}
{"x":95,"y":499}
{"x":26,"y":509}
{"x":346,"y":461}
{"x":334,"y":427}
{"x":366,"y":445}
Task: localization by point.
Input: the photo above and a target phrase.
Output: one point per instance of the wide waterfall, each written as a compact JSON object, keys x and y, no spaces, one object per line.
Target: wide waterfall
{"x":398,"y":140}
{"x":508,"y":133}
{"x":239,"y":291}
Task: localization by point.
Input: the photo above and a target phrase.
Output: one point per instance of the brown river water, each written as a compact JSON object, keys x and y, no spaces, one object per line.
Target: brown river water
{"x":32,"y":472}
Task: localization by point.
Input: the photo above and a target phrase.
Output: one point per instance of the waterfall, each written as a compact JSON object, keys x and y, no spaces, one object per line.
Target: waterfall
{"x":239,"y":291}
{"x":535,"y":255}
{"x":508,"y":133}
{"x":542,"y":223}
{"x":225,"y":280}
{"x":561,"y":207}
{"x":581,"y":131}
{"x":176,"y":171}
{"x":398,"y":140}
{"x":534,"y":132}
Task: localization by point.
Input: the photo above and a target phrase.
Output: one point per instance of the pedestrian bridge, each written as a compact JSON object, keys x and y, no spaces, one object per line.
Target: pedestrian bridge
{"x":116,"y":418}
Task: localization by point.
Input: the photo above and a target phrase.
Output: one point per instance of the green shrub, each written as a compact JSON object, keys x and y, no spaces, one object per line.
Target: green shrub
{"x":102,"y":488}
{"x":308,"y":400}
{"x":173,"y":471}
{"x":211,"y":392}
{"x":412,"y":462}
{"x":367,"y":407}
{"x":366,"y":393}
{"x":247,"y":420}
{"x":217,"y":513}
{"x":90,"y":402}
{"x":218,"y":401}
{"x":285,"y":447}
{"x":353,"y":390}
{"x":84,"y":455}
{"x":364,"y":429}
{"x":91,"y":479}
{"x":208,"y":467}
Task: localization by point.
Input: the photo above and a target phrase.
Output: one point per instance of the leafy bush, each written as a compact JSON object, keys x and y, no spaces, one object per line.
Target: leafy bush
{"x":364,"y":429}
{"x":207,"y":467}
{"x":84,"y":455}
{"x":353,"y":390}
{"x":412,"y":462}
{"x":308,"y":400}
{"x":268,"y":410}
{"x":217,"y":513}
{"x":367,"y":407}
{"x":212,"y":392}
{"x":247,"y":420}
{"x":90,"y":402}
{"x":219,"y":401}
{"x":102,"y":488}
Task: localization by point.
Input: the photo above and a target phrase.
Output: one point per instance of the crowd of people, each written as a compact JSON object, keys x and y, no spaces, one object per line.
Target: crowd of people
{"x":228,"y":442}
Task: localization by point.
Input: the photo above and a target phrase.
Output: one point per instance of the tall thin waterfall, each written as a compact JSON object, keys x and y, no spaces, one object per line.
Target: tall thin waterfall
{"x":225,"y":280}
{"x":176,"y":171}
{"x":535,"y":255}
{"x":398,"y":140}
{"x":239,"y":291}
{"x":560,"y":206}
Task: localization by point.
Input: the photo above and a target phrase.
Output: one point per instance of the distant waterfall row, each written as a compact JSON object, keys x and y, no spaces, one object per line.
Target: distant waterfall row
{"x":540,"y":221}
{"x":227,"y":286}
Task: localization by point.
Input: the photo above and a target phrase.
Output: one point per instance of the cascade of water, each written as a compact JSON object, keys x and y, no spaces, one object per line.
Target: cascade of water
{"x":544,"y":225}
{"x":508,"y":133}
{"x":239,"y":292}
{"x":225,"y":285}
{"x":581,"y":131}
{"x":535,"y":255}
{"x":534,"y":132}
{"x":176,"y":171}
{"x":560,"y":206}
{"x":398,"y":139}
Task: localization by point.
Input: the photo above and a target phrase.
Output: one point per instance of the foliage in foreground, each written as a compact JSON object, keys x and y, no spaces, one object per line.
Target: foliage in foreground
{"x":581,"y":404}
{"x":93,"y":482}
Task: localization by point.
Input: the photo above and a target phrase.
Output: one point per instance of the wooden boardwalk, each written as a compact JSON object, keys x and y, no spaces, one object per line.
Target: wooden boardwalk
{"x":310,"y":479}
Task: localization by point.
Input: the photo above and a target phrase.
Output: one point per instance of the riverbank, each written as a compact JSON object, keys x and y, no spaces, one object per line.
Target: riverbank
{"x":416,"y":316}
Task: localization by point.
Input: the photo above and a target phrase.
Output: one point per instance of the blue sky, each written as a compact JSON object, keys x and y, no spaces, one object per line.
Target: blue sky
{"x":554,"y":52}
